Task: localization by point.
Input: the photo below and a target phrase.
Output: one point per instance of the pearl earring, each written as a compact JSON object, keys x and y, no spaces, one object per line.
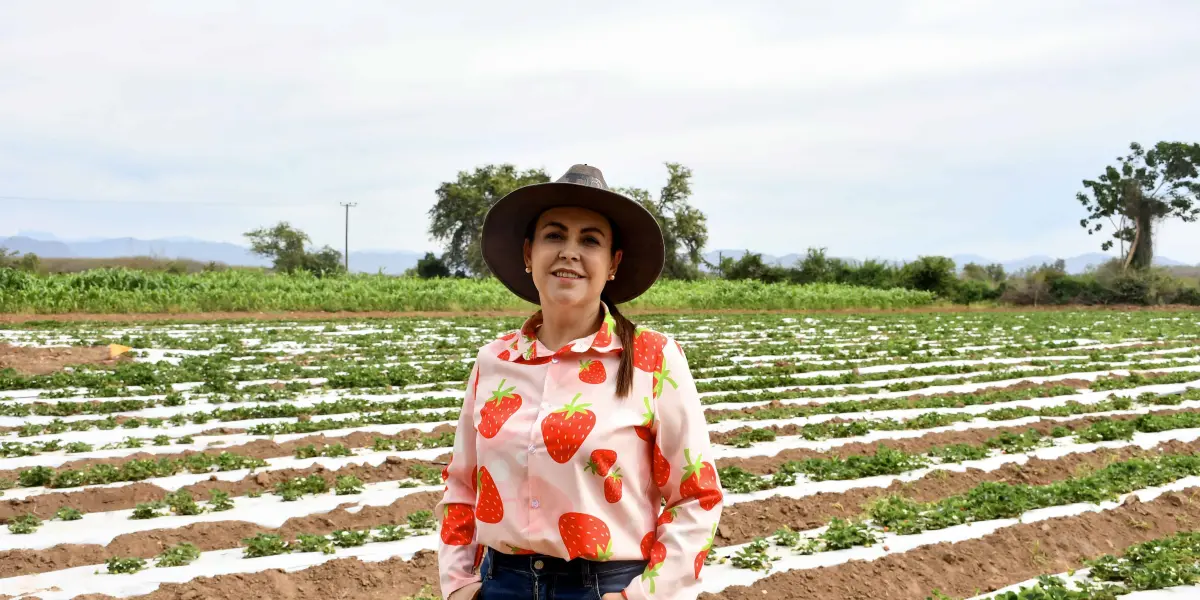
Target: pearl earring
{"x":528,"y":270}
{"x":612,"y":277}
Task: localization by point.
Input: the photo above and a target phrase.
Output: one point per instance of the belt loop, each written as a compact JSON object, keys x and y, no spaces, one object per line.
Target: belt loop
{"x":587,"y":569}
{"x":491,"y":561}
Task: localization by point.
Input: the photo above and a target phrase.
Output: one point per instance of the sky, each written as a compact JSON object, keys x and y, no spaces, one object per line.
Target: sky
{"x":873,"y":128}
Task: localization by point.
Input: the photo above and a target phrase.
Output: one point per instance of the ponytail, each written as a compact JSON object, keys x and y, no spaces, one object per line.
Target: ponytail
{"x":626,"y":331}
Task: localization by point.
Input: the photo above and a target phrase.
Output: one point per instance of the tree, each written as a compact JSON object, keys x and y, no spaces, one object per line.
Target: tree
{"x":751,"y":266}
{"x":286,"y":247}
{"x":684,"y":227}
{"x":432,"y":267}
{"x":456,"y":220}
{"x":935,"y":274}
{"x":1146,"y":188}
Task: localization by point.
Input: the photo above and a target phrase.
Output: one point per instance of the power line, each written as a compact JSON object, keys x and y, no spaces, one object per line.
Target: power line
{"x":346,"y":255}
{"x":283,"y":204}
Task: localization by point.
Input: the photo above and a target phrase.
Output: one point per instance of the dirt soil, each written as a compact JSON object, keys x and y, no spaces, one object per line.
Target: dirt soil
{"x":128,"y":496}
{"x":1008,"y":556}
{"x":42,"y":361}
{"x":215,"y":535}
{"x":256,"y":449}
{"x":740,"y":523}
{"x":753,"y":411}
{"x":149,"y":318}
{"x":344,"y":578}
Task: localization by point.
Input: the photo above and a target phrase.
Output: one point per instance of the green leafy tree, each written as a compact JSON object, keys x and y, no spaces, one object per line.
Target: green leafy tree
{"x":431,"y":266}
{"x":1146,"y":187}
{"x":685,"y":228}
{"x":750,"y":266}
{"x":286,"y":246}
{"x":456,"y":220}
{"x":935,"y":274}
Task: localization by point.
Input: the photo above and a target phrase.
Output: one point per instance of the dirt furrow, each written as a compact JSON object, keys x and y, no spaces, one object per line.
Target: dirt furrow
{"x":261,"y":448}
{"x":128,"y":496}
{"x":340,"y":578}
{"x":740,"y":523}
{"x":1010,"y":555}
{"x":767,"y":465}
{"x":217,"y":535}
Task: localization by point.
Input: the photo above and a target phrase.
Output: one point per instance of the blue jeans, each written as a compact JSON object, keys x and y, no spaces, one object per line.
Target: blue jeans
{"x":537,"y":577}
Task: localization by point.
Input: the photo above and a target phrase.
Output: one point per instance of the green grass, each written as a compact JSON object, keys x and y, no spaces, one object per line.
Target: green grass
{"x":128,"y":291}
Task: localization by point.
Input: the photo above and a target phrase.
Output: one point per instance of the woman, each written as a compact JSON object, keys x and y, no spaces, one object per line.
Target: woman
{"x":581,"y":465}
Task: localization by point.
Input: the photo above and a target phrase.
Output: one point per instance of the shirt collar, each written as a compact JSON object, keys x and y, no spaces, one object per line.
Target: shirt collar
{"x":525,"y":346}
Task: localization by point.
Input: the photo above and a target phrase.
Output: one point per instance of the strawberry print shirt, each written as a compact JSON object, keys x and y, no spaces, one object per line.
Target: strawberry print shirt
{"x":548,"y":460}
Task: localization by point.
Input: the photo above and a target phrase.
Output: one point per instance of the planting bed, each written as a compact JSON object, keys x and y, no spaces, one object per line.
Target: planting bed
{"x":905,"y":456}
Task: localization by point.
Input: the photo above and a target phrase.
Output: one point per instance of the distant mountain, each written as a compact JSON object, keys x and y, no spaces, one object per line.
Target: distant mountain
{"x":368,"y":261}
{"x":1074,"y":264}
{"x":395,"y":262}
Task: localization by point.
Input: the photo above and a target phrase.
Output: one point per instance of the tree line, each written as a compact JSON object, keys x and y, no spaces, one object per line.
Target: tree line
{"x":1131,"y":198}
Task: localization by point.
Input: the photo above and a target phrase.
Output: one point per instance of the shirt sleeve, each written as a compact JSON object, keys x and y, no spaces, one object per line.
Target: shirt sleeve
{"x":693,"y":493}
{"x":458,"y":550}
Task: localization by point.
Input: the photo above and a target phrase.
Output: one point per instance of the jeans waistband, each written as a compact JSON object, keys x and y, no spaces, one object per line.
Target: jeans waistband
{"x":541,"y":563}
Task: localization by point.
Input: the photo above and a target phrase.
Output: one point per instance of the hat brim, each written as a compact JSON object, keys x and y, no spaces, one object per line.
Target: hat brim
{"x":506,"y":223}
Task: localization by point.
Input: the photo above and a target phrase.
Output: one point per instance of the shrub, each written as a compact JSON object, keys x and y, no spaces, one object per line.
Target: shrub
{"x":178,"y":556}
{"x":24,"y":524}
{"x":125,"y":565}
{"x":68,"y":514}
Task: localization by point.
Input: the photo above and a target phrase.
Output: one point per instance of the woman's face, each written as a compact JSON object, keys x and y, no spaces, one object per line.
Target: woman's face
{"x":571,"y":256}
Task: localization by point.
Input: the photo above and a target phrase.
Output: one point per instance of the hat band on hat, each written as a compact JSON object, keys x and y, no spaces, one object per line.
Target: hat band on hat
{"x":583,"y":179}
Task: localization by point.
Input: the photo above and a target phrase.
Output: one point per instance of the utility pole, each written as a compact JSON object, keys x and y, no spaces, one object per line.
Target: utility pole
{"x":346,"y":255}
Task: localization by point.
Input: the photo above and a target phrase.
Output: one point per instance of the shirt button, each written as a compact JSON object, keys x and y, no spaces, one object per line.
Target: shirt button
{"x":554,"y":360}
{"x":534,"y":503}
{"x":532,"y":448}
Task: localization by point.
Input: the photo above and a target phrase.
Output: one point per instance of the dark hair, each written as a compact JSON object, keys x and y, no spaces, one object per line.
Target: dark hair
{"x":626,"y":329}
{"x":625,"y":332}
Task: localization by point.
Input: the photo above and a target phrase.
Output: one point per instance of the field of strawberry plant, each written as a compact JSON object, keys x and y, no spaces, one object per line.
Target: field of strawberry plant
{"x":1015,"y":456}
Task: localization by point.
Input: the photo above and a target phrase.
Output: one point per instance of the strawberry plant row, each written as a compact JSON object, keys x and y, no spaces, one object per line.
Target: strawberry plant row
{"x":1159,"y":564}
{"x":135,"y":470}
{"x":858,"y":427}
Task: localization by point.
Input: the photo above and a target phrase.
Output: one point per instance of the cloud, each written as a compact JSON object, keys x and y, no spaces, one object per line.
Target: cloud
{"x":886,"y":128}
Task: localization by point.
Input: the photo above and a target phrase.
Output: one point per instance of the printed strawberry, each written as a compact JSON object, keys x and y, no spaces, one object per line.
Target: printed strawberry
{"x":604,"y":336}
{"x":612,"y":486}
{"x":498,"y":409}
{"x":661,"y":468}
{"x":700,"y":558}
{"x":458,"y":525}
{"x":531,"y":350}
{"x":661,"y":376}
{"x":668,"y":516}
{"x":655,"y":554}
{"x":489,"y":508}
{"x":479,"y":555}
{"x":601,"y":461}
{"x":508,"y":336}
{"x":699,"y":481}
{"x":592,"y":371}
{"x":505,"y":355}
{"x":519,"y":551}
{"x":586,"y":536}
{"x":446,"y":469}
{"x":648,"y":350}
{"x":644,"y":431}
{"x":565,"y":430}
